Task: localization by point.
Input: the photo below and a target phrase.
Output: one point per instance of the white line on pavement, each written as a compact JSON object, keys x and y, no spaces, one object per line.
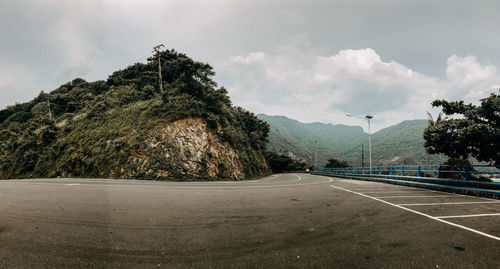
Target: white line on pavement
{"x":468,"y":216}
{"x":178,"y":186}
{"x":413,"y":196}
{"x":453,"y":203}
{"x":422,"y":214}
{"x":408,"y":191}
{"x":380,"y":188}
{"x":351,"y":181}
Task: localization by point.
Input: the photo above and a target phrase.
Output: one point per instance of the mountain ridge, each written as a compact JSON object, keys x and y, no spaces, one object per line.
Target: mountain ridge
{"x":397,"y":144}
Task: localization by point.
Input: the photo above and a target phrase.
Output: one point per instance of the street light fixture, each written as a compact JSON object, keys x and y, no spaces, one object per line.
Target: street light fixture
{"x":368,"y":118}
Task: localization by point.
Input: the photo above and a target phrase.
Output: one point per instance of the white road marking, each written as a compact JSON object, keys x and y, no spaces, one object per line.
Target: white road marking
{"x":379,"y":188}
{"x":468,"y":216}
{"x":414,"y":196}
{"x":392,"y":191}
{"x":453,"y":203}
{"x":298,"y":177}
{"x":351,"y":181}
{"x":73,"y":184}
{"x":405,"y":187}
{"x":422,"y":214}
{"x":175,"y":186}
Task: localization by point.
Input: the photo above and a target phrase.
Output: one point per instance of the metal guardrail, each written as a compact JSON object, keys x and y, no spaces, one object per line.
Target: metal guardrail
{"x":432,"y":171}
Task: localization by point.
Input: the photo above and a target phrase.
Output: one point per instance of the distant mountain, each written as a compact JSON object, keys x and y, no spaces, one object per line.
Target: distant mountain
{"x":398,"y":144}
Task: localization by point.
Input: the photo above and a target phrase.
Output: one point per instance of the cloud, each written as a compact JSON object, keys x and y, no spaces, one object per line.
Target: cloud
{"x":469,"y":79}
{"x":293,"y":18}
{"x":309,"y":87}
{"x":251,"y":58}
{"x":313,"y":60}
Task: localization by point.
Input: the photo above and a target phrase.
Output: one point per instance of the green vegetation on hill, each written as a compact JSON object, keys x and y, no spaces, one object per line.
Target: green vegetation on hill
{"x":94,"y":129}
{"x":398,"y":144}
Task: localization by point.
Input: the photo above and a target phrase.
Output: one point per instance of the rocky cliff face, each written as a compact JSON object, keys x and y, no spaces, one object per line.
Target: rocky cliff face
{"x":187,"y":147}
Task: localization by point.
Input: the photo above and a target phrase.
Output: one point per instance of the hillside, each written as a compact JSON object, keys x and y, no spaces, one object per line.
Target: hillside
{"x":398,"y":144}
{"x":127,"y":127}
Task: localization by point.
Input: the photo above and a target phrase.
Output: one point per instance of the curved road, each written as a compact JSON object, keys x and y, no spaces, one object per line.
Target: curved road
{"x":284,"y":221}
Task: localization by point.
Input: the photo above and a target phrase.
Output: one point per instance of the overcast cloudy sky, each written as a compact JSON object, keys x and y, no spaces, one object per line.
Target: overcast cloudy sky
{"x":308,"y":60}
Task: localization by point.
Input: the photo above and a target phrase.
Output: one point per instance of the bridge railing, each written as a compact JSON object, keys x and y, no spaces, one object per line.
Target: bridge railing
{"x":432,"y":171}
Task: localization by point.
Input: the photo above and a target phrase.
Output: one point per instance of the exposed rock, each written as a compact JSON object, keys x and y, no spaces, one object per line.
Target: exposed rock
{"x":190,"y":148}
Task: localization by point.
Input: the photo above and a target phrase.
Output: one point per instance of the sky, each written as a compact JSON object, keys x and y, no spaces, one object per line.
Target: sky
{"x":307,"y":60}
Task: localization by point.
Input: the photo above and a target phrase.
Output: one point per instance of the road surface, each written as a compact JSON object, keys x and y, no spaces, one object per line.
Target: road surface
{"x":282,"y":221}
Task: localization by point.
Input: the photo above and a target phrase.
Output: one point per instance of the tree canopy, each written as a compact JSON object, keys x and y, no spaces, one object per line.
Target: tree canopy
{"x":335,"y":163}
{"x":469,"y":130}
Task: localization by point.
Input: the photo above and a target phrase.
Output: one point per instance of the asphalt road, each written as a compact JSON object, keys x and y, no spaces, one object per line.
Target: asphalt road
{"x":283,"y":221}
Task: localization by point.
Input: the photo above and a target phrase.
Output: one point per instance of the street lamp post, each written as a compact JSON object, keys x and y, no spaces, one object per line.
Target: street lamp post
{"x":368,"y":118}
{"x":314,"y":154}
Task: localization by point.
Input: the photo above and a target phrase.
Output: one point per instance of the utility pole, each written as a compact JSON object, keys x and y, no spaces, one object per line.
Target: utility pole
{"x":157,"y":50}
{"x":362,"y":156}
{"x":314,"y":156}
{"x":368,"y":118}
{"x":48,"y":103}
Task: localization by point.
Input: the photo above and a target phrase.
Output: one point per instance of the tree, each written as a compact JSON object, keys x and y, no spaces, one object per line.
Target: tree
{"x":431,"y":120}
{"x":278,"y":163}
{"x":335,"y":163}
{"x":472,"y":131}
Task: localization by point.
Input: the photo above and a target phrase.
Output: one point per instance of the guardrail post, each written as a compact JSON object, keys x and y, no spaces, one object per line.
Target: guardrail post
{"x":363,"y":170}
{"x":380,"y":170}
{"x":403,"y":170}
{"x":439,"y":171}
{"x":356,"y":170}
{"x":418,"y":170}
{"x":467,"y":172}
{"x":390,"y":170}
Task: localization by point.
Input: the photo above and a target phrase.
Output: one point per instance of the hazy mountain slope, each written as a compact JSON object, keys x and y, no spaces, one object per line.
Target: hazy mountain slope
{"x":282,"y":144}
{"x":401,"y":143}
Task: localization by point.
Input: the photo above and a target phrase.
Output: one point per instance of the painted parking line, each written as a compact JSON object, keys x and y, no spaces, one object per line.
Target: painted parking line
{"x":420,"y":213}
{"x":452,"y":203}
{"x":468,"y":216}
{"x":381,"y":188}
{"x":413,"y":196}
{"x":394,"y":188}
{"x":408,"y":191}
